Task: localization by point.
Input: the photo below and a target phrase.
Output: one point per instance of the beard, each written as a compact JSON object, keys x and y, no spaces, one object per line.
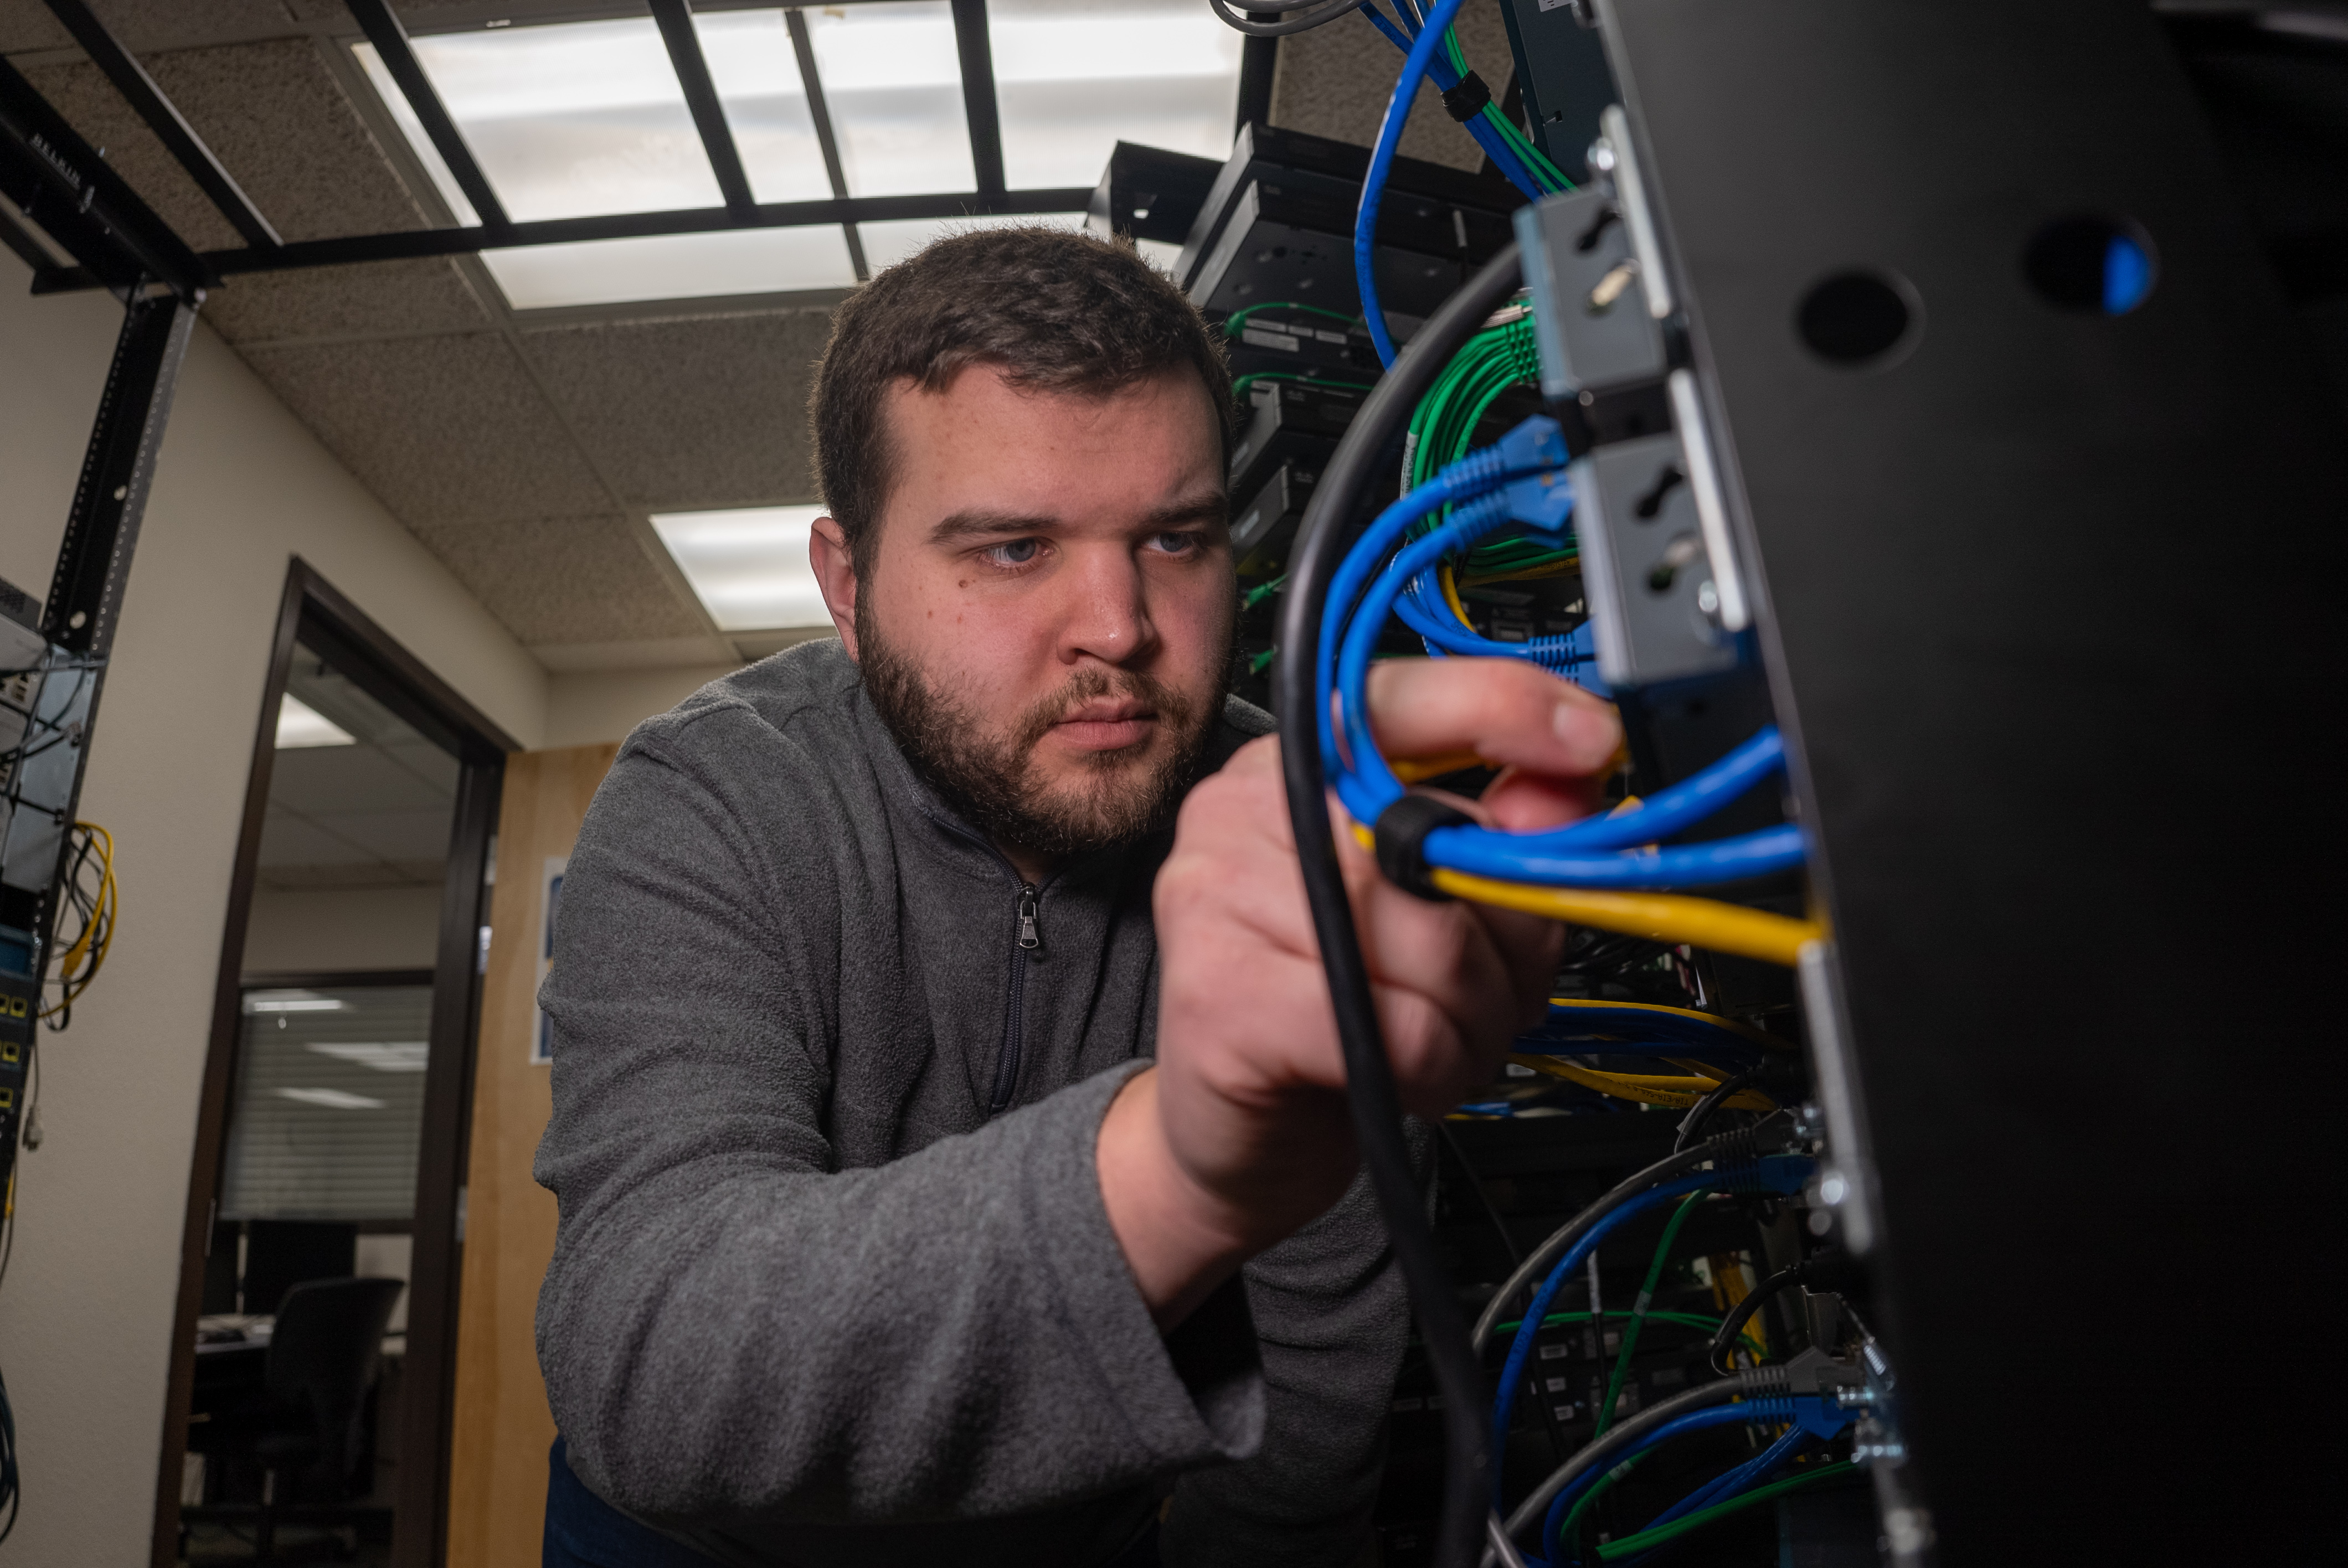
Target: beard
{"x":991,"y":779}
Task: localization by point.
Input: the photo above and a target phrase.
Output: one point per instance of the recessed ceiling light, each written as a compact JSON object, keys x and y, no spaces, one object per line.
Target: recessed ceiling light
{"x":1073,"y":77}
{"x":292,"y":1001}
{"x":333,"y":1099}
{"x":383,"y":1055}
{"x":749,"y":566}
{"x":300,"y":726}
{"x":673,"y":267}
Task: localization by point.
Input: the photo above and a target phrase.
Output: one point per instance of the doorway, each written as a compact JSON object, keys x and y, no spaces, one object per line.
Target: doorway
{"x":313,"y":1356}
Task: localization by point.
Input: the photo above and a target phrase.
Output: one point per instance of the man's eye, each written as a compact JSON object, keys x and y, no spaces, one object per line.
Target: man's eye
{"x":1015,"y":552}
{"x":1176,"y":544}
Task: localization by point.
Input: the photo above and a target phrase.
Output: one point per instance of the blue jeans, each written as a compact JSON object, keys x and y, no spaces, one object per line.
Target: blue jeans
{"x":582,"y":1531}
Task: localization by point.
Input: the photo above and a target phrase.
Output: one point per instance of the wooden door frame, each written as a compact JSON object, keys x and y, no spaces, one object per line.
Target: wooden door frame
{"x":312,"y":611}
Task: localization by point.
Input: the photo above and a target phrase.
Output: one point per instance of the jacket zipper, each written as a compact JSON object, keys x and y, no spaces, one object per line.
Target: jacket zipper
{"x":1006,"y":1068}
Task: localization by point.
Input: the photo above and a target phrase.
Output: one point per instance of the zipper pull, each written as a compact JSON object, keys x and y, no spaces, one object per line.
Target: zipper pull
{"x":1027,"y":937}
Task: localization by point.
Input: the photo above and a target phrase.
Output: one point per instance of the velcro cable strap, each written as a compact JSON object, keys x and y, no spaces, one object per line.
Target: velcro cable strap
{"x":1465,"y":99}
{"x":1401,"y":839}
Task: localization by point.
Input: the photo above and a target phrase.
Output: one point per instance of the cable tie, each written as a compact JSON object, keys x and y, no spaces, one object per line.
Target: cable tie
{"x":1401,"y":840}
{"x":1465,"y":99}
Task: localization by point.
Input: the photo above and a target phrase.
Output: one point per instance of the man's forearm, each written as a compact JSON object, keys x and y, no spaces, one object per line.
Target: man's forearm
{"x":1179,"y":1240}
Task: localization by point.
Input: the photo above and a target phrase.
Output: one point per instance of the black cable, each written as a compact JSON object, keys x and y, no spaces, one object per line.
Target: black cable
{"x":1533,"y":1391}
{"x":1701,"y":1112}
{"x":1360,"y":461}
{"x":9,"y":1477}
{"x":1483,"y":1198}
{"x":1828,"y":1268}
{"x":1724,"y":1338}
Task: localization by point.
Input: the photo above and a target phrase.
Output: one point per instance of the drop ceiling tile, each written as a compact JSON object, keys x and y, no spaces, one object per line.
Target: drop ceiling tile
{"x":565,"y":579}
{"x":326,"y":781}
{"x":77,"y":91}
{"x":287,"y":839}
{"x":428,"y":763}
{"x":1335,"y":81}
{"x":361,"y":873}
{"x":442,"y":429}
{"x":173,"y":23}
{"x":277,"y":119}
{"x":394,"y":836}
{"x":370,"y":297}
{"x":707,"y":411}
{"x":26,"y":24}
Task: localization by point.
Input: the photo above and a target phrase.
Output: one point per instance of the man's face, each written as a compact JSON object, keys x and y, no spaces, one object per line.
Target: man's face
{"x":1046,"y":617}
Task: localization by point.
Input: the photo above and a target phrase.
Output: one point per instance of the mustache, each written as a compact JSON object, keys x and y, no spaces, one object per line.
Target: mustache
{"x":1173,"y":708}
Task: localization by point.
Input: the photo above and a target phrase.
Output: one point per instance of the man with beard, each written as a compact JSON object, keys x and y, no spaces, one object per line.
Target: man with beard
{"x":952,"y":1146}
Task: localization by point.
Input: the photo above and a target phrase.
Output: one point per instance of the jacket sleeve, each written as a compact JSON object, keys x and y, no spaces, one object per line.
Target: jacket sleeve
{"x":1332,"y":1320}
{"x":730,"y":1323}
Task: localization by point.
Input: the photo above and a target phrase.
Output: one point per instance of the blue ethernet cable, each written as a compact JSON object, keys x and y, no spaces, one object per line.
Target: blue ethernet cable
{"x":1496,"y":147}
{"x":1534,"y":447}
{"x":1442,"y":629}
{"x":1726,"y":1485}
{"x":1516,"y":479}
{"x":1367,"y":786}
{"x":1438,"y":21}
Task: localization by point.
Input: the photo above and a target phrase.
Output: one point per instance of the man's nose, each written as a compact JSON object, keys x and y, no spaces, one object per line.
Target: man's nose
{"x":1105,"y":615}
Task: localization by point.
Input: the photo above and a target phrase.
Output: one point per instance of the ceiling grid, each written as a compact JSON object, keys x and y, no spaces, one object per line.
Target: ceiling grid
{"x":527,"y":449}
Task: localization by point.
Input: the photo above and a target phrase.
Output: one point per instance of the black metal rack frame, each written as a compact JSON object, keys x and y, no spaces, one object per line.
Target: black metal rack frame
{"x":265,"y":252}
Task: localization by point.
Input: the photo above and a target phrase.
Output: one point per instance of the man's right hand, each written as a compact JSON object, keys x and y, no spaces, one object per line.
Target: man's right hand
{"x":1241,"y":1133}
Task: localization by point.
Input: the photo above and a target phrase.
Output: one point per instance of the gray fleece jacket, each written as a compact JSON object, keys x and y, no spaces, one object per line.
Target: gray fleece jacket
{"x":833,"y":1284}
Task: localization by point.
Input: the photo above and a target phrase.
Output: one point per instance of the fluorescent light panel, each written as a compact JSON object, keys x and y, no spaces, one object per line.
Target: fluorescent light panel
{"x":300,"y":727}
{"x":331,"y":1099}
{"x":1073,"y":78}
{"x":573,"y":119}
{"x":382,"y":1055}
{"x":748,"y":566}
{"x":673,"y":267}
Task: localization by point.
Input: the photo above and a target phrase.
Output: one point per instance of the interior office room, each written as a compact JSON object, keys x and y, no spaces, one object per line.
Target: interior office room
{"x":1898,"y":442}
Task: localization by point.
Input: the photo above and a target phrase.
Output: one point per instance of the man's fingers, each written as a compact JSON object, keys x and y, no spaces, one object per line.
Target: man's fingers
{"x":1506,"y":710}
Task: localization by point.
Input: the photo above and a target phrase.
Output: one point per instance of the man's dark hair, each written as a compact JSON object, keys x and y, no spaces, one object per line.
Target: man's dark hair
{"x":1050,"y":309}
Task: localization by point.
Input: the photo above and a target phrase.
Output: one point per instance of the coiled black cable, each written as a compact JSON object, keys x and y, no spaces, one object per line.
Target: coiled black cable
{"x":1327,"y":529}
{"x":1246,"y":16}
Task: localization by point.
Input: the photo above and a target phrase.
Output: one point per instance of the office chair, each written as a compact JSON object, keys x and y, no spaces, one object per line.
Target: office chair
{"x":305,"y":1435}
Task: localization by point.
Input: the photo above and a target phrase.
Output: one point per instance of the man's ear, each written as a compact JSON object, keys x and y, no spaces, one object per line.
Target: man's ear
{"x":835,"y":573}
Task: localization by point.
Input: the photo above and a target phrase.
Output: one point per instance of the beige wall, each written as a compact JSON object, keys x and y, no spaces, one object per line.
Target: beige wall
{"x":587,"y":709}
{"x":86,"y":1314}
